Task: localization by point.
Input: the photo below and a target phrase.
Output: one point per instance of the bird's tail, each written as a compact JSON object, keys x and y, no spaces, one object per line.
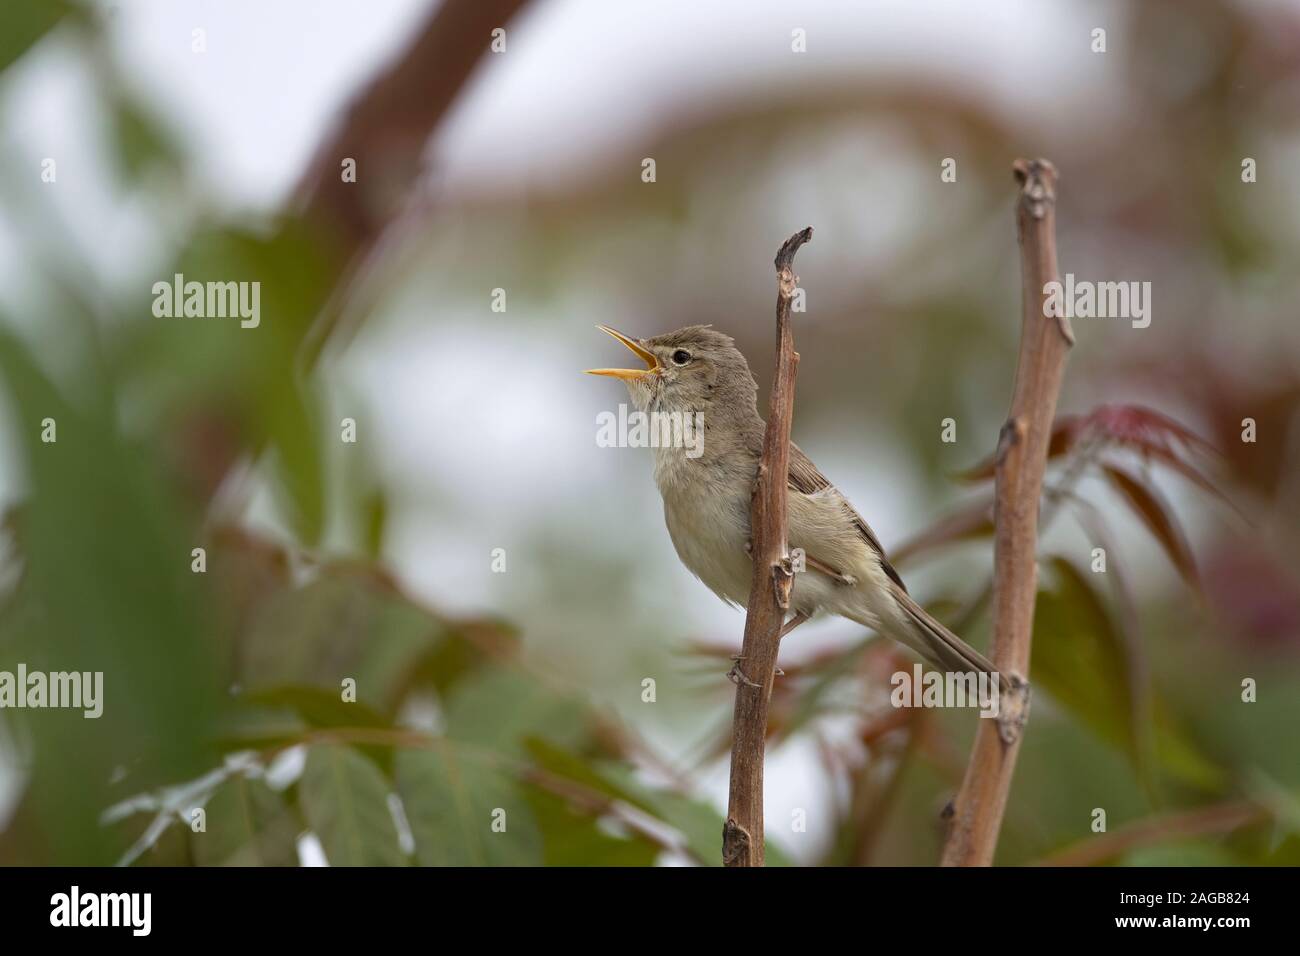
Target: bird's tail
{"x":938,"y":645}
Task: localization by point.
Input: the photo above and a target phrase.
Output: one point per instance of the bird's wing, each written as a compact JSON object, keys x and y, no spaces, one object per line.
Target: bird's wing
{"x":806,"y":479}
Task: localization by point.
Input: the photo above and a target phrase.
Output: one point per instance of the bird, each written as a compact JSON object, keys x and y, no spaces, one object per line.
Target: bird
{"x":697,"y":371}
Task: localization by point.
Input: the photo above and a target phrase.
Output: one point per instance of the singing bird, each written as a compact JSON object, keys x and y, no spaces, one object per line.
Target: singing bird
{"x":707,"y":495}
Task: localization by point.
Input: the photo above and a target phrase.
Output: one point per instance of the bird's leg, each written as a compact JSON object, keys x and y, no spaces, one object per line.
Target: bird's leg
{"x":847,"y":580}
{"x":790,"y":625}
{"x":737,"y":676}
{"x":826,"y":569}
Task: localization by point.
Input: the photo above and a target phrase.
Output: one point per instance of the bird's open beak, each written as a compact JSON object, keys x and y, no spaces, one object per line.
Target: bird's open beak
{"x":628,"y":374}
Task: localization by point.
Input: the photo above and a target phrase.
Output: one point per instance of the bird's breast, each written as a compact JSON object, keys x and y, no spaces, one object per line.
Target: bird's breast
{"x":708,"y":521}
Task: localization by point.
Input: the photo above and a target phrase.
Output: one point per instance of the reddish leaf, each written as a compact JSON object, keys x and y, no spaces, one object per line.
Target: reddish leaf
{"x":1147,"y":503}
{"x":1154,"y":435}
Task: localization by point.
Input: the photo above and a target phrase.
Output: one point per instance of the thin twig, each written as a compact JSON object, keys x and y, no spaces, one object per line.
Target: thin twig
{"x":769,"y":589}
{"x":385,"y":130}
{"x":1021,"y":461}
{"x":1203,"y":821}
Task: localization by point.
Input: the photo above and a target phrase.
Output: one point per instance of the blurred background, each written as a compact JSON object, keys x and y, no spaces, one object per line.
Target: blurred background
{"x":537,"y":679}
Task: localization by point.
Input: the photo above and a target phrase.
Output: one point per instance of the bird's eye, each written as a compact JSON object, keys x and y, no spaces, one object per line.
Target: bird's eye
{"x":681,"y":357}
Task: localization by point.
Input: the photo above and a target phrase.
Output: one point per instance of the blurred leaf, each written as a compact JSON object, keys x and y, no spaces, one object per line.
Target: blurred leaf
{"x":135,"y":613}
{"x":345,"y":800}
{"x":699,"y":823}
{"x":574,"y":838}
{"x":339,"y":626}
{"x":180,"y":366}
{"x":450,"y":795}
{"x":1180,"y":756}
{"x":140,"y":142}
{"x":317,"y":706}
{"x":299,"y":459}
{"x":1080,"y":659}
{"x":23,"y":22}
{"x":1151,"y":434}
{"x":248,"y":824}
{"x":375,"y":507}
{"x":172,"y":848}
{"x":497,"y":709}
{"x":1151,"y":509}
{"x":1184,"y":853}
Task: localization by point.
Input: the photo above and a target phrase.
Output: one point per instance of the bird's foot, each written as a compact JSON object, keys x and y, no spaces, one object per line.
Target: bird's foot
{"x":737,"y":676}
{"x":839,"y":577}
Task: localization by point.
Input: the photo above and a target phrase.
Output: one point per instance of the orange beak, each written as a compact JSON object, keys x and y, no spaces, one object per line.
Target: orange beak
{"x":628,"y":374}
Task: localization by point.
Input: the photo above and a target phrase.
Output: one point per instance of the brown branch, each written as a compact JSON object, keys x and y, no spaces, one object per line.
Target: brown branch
{"x":385,"y":130}
{"x":1203,"y":821}
{"x":769,"y":589}
{"x":386,"y":126}
{"x":1045,"y":342}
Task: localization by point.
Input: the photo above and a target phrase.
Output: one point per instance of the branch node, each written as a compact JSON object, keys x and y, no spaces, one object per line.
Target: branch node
{"x":1013,"y":433}
{"x":1037,"y":179}
{"x":735,"y":843}
{"x":782,"y":580}
{"x":1065,"y":328}
{"x":1013,"y":708}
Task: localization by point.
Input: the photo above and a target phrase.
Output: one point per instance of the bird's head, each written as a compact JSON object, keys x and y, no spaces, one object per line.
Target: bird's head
{"x":694,"y":369}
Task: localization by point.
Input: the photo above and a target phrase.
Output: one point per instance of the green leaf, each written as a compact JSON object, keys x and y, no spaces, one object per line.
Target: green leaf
{"x":375,"y":513}
{"x":699,"y":823}
{"x":106,"y":570}
{"x":345,"y":800}
{"x":249,"y":374}
{"x":140,"y":142}
{"x":452,"y":798}
{"x":497,"y":709}
{"x":317,"y":706}
{"x":299,"y":459}
{"x":1185,"y":853}
{"x":339,"y":626}
{"x":23,"y":22}
{"x":247,"y":824}
{"x":574,"y":837}
{"x":1080,"y":658}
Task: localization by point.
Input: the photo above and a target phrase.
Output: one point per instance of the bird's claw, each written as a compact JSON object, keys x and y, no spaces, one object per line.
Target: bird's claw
{"x":737,"y":676}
